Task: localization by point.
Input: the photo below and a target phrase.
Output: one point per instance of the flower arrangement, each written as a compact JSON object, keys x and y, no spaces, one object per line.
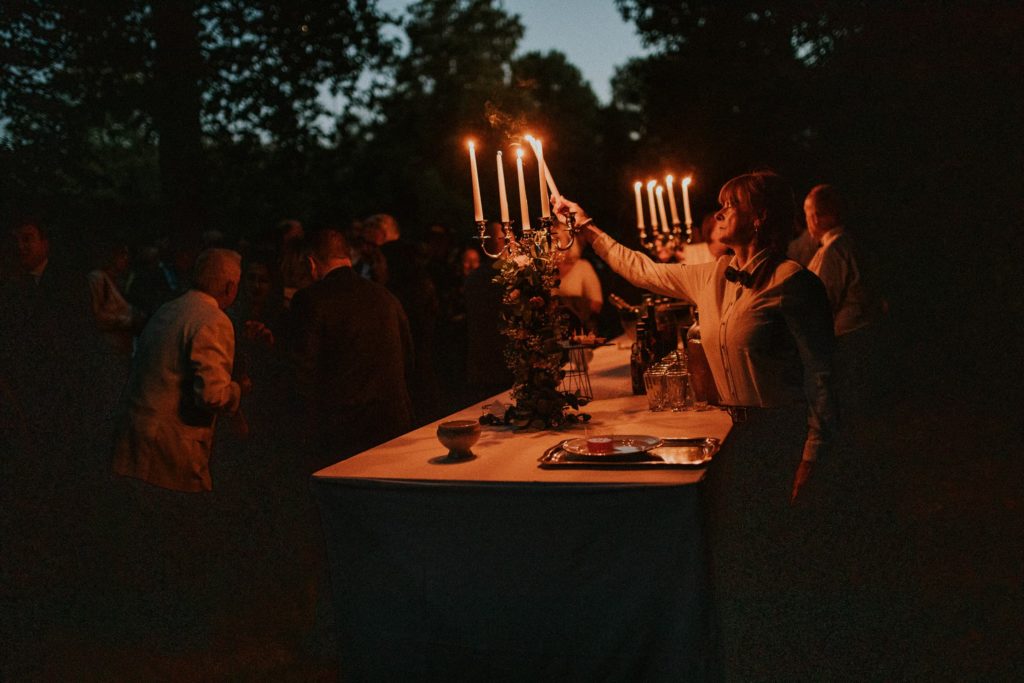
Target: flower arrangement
{"x":535,"y":329}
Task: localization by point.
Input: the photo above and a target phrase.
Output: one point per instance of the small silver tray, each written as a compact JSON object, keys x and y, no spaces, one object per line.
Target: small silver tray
{"x":671,"y":454}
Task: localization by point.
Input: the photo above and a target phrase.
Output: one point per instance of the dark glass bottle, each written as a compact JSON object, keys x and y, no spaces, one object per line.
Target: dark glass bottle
{"x":639,"y":358}
{"x":649,"y":313}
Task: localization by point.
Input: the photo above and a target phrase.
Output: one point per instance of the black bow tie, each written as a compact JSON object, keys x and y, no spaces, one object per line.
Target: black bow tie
{"x":744,"y":278}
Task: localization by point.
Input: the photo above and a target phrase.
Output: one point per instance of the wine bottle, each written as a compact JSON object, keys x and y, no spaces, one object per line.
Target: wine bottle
{"x":639,"y":358}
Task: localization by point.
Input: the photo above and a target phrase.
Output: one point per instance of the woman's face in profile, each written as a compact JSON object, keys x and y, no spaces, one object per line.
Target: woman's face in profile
{"x":733,"y":225}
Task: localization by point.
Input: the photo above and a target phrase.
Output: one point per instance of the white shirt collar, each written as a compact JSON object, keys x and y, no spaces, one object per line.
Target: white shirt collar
{"x":753,"y":264}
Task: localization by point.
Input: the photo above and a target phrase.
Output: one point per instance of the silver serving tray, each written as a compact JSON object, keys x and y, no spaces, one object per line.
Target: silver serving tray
{"x":671,"y":454}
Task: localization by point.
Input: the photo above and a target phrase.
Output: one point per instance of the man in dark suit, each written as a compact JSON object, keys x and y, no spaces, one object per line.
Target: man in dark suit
{"x":352,"y":351}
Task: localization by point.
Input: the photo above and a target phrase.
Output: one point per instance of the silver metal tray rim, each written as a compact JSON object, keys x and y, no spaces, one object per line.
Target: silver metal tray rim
{"x":554,"y":457}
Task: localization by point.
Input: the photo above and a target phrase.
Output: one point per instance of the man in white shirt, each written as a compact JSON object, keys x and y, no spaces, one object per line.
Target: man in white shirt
{"x":855,"y":309}
{"x":835,"y":261}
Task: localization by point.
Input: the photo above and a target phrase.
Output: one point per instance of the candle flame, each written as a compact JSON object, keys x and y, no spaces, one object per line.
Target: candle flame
{"x":669,"y":178}
{"x":529,"y":138}
{"x":519,"y":152}
{"x":651,"y":183}
{"x":659,"y":190}
{"x":637,"y":185}
{"x":471,"y":144}
{"x":687,"y":180}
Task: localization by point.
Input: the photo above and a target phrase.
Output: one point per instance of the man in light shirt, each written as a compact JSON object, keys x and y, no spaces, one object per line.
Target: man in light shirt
{"x":855,"y":309}
{"x":180,"y":383}
{"x":835,"y":261}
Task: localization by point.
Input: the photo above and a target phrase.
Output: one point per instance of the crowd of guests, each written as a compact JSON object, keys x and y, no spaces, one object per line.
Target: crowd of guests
{"x":184,"y":396}
{"x":218,"y":378}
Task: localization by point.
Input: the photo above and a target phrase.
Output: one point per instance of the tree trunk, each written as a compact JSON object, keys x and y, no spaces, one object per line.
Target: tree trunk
{"x":178,"y":68}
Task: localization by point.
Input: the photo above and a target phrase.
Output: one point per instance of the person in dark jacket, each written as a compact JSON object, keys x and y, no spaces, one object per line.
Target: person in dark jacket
{"x":352,"y":352}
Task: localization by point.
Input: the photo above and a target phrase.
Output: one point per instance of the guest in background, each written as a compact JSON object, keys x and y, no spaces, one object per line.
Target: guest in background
{"x":856,"y":309}
{"x":352,"y":353}
{"x":451,"y":354}
{"x":469,"y":260}
{"x":802,"y":248}
{"x":375,"y":231}
{"x":486,"y":371}
{"x":151,"y":282}
{"x":405,"y":276}
{"x":255,"y":299}
{"x":579,"y":290}
{"x":117,"y":320}
{"x":181,"y":381}
{"x":295,"y":271}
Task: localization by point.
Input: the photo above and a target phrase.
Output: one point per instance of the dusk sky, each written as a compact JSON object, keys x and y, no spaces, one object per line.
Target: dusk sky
{"x":590,"y":32}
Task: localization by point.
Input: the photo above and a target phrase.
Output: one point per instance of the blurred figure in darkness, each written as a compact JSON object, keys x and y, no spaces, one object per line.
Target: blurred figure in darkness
{"x":352,"y":351}
{"x":153,"y":280}
{"x":579,"y":290}
{"x":375,"y":231}
{"x":856,"y":308}
{"x":486,"y":371}
{"x":405,"y":276}
{"x":116,"y":319}
{"x":49,"y":408}
{"x":469,"y":260}
{"x":802,"y":248}
{"x":181,"y":381}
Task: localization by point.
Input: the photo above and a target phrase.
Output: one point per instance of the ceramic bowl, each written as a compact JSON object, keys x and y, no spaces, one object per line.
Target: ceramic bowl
{"x":458,"y":436}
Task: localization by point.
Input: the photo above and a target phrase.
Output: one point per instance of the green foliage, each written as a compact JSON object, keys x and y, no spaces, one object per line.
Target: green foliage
{"x":535,"y":329}
{"x":82,"y":76}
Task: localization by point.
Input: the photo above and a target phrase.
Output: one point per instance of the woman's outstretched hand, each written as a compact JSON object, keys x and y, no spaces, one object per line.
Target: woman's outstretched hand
{"x":563,"y":207}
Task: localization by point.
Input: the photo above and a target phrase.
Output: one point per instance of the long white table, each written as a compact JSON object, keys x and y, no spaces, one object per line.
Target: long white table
{"x":495,"y":567}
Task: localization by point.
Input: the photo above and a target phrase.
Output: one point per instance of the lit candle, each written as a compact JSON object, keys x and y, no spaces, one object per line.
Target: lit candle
{"x":639,"y":207}
{"x":671,"y":198}
{"x":478,"y":209}
{"x":523,"y":206}
{"x":686,"y":199}
{"x":650,"y":205}
{"x":551,"y":181}
{"x":660,"y":191}
{"x":502,"y":197}
{"x":545,"y":203}
{"x":534,"y":143}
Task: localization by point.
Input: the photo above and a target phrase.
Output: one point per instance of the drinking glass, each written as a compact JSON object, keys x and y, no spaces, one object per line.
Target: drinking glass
{"x":654,"y":382}
{"x":677,"y":384}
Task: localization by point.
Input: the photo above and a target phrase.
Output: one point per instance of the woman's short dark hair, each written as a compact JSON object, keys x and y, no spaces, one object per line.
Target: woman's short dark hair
{"x":769,"y":197}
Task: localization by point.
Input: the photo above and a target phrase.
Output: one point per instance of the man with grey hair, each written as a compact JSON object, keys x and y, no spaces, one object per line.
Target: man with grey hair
{"x":180,"y":382}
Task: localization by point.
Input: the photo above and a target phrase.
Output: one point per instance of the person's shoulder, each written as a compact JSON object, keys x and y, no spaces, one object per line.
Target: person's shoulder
{"x":585,"y":267}
{"x":788,"y":268}
{"x":798,"y":281}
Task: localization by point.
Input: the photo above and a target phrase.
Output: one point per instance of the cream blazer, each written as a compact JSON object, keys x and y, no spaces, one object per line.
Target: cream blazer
{"x":181,"y":379}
